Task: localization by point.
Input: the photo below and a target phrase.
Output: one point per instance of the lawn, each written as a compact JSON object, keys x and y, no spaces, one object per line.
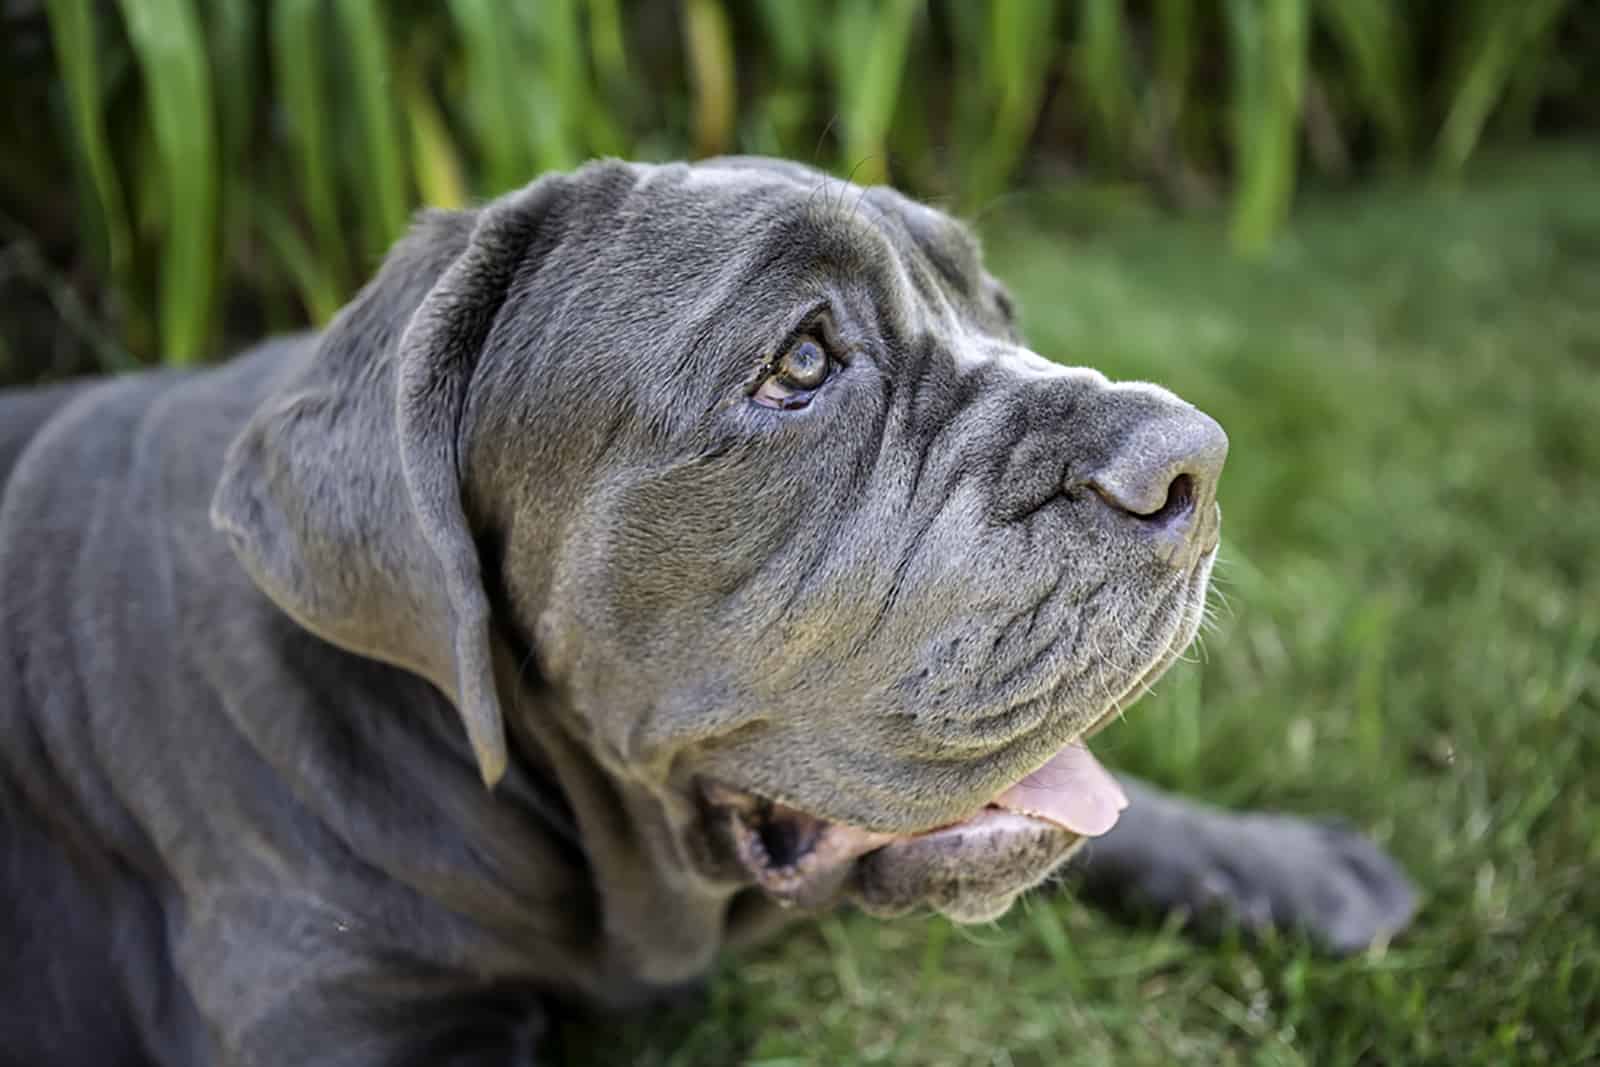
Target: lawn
{"x":1407,"y":633}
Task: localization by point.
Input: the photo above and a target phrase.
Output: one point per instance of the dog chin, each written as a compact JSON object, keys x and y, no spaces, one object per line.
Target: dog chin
{"x":969,"y":869}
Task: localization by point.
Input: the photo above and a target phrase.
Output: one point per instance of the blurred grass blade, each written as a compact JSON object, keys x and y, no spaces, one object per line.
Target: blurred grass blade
{"x":72,"y":24}
{"x":970,"y":120}
{"x":787,"y":83}
{"x":529,"y":88}
{"x":1502,"y":33}
{"x":496,"y":111}
{"x":611,"y":103}
{"x":608,"y":49}
{"x":1268,"y":52}
{"x":433,"y":155}
{"x":1374,"y":35}
{"x":1175,"y":51}
{"x":299,"y":33}
{"x":1101,"y":64}
{"x":1016,"y":58}
{"x":708,"y":42}
{"x":791,"y":35}
{"x":869,"y":79}
{"x":556,"y":76}
{"x":319,"y":293}
{"x":171,"y":51}
{"x":232,"y":39}
{"x":385,"y":198}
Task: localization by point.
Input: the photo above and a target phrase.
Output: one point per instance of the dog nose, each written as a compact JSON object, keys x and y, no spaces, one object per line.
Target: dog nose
{"x":1164,"y":474}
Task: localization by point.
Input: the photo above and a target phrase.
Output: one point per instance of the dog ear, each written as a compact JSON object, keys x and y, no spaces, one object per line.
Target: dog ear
{"x":342,"y":495}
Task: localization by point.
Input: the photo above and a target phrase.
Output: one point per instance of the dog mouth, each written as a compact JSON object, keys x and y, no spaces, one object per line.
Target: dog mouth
{"x":801,"y":859}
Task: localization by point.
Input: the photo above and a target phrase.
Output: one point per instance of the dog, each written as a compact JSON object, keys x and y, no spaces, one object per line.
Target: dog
{"x":640,"y":560}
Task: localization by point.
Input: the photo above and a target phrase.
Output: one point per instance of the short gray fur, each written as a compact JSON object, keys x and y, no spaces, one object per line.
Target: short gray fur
{"x":267,"y":630}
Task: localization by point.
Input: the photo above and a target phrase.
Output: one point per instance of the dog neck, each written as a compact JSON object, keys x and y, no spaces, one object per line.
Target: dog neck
{"x":659,"y":922}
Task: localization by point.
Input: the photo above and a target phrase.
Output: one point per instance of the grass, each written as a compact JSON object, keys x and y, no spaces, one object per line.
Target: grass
{"x":1411,"y":380}
{"x":275,"y":147}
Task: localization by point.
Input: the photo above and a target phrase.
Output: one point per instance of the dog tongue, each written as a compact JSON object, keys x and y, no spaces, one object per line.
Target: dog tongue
{"x":1072,"y":790}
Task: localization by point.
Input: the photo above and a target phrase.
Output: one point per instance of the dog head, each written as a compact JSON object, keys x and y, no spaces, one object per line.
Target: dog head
{"x":801,"y":537}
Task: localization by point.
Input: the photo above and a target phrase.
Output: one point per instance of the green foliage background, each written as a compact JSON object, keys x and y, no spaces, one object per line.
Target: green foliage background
{"x":179,"y":171}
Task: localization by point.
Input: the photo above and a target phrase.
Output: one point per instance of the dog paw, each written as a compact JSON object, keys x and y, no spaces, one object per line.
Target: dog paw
{"x":1273,"y":871}
{"x":1257,"y":872}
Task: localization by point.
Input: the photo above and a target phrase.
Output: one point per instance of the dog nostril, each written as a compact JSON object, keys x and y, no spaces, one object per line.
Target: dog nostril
{"x":1169,"y":516}
{"x":1174,"y":504}
{"x":1165,"y":471}
{"x":1180,"y":499}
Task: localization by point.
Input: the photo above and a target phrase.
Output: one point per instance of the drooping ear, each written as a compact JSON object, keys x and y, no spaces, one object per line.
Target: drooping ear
{"x":342,"y":496}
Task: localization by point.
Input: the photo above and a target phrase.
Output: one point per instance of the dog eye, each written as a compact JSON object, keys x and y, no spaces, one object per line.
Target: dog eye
{"x":795,"y":375}
{"x":804,"y":366}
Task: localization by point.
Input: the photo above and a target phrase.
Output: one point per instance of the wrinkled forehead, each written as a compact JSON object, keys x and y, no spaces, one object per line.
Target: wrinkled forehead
{"x":803,"y":218}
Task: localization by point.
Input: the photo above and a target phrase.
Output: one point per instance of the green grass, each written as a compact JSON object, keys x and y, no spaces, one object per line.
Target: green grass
{"x":274,"y":148}
{"x":1411,"y":380}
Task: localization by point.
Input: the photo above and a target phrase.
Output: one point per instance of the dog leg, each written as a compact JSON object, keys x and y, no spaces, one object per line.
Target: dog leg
{"x":1252,"y":869}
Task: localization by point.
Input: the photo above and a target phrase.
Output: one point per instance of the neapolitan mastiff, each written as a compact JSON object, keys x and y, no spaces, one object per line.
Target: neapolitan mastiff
{"x":647,"y":550}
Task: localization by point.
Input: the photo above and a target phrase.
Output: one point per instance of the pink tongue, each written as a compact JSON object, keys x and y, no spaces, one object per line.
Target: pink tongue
{"x":1072,"y":790}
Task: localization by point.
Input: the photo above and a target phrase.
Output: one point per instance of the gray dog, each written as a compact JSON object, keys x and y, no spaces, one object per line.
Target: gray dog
{"x":644,"y":552}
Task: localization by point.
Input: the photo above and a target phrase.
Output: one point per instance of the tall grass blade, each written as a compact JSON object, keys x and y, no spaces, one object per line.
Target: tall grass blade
{"x":299,"y":32}
{"x":1104,"y":77}
{"x":869,"y":79}
{"x":608,"y":48}
{"x":1268,"y":51}
{"x":559,"y":81}
{"x":611,"y":98}
{"x":434,"y":161}
{"x":787,"y":121}
{"x":1016,"y":57}
{"x":381,"y":170}
{"x":792,"y":33}
{"x":1374,"y":35}
{"x":1502,"y":34}
{"x":1175,"y":126}
{"x":1175,"y":50}
{"x":72,"y":25}
{"x":708,"y":43}
{"x":171,"y":52}
{"x":231,"y":43}
{"x":231,"y":40}
{"x":319,"y":293}
{"x":496,"y":106}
